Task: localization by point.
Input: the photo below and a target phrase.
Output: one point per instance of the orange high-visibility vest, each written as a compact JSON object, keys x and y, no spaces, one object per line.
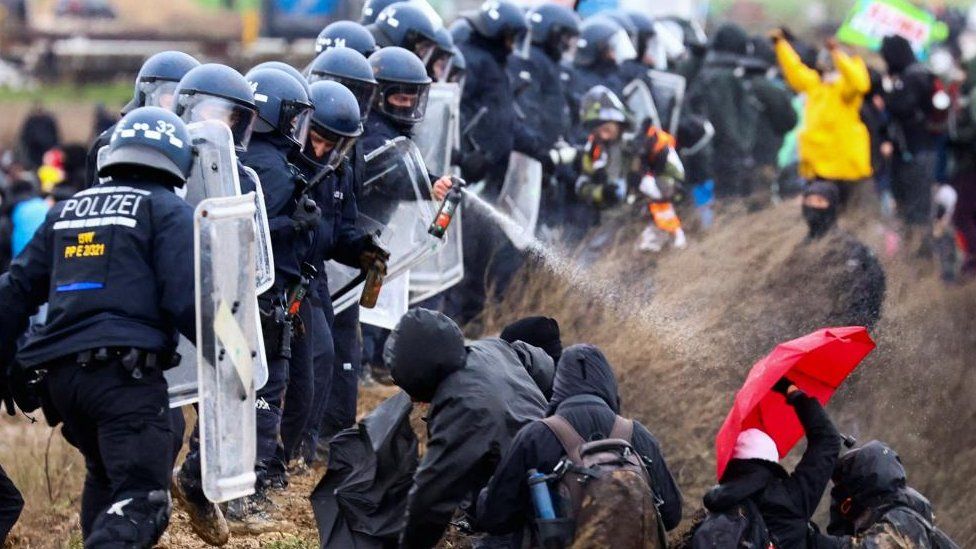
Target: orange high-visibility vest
{"x":664,"y":216}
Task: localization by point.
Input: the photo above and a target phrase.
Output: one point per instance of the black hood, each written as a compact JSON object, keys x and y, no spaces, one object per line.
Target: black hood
{"x":538,"y":364}
{"x":870,"y":472}
{"x":731,"y":38}
{"x":540,"y":331}
{"x":424,"y":349}
{"x":897,"y":53}
{"x":742,"y":479}
{"x":583,"y":370}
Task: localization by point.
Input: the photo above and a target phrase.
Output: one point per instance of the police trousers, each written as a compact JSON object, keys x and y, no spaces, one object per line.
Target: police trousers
{"x":123,"y":429}
{"x":11,"y":504}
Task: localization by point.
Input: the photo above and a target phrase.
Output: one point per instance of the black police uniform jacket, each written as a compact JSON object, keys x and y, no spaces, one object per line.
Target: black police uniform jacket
{"x":584,"y":393}
{"x":786,"y":501}
{"x":543,"y":100}
{"x":115,"y":264}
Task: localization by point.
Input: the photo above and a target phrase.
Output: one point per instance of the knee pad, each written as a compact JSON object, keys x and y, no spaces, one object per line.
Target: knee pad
{"x":135,"y":521}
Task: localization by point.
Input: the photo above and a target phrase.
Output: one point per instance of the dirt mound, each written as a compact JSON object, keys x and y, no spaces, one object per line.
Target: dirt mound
{"x":683,"y":329}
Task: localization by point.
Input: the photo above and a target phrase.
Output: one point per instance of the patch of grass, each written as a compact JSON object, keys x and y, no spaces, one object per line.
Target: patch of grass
{"x":291,"y":542}
{"x":113,"y":93}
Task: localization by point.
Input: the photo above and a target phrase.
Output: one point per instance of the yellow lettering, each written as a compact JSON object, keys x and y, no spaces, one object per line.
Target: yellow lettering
{"x":85,"y":238}
{"x":69,"y":251}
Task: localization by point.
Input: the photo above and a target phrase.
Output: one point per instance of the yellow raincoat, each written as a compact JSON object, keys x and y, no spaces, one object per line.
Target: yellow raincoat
{"x":833,"y":142}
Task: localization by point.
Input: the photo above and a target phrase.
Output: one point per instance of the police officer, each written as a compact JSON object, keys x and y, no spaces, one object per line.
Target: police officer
{"x":603,"y":45}
{"x":372,"y":9}
{"x":212,"y":92}
{"x":346,"y":34}
{"x":281,"y":127}
{"x":405,"y":25}
{"x":154,"y":87}
{"x":553,"y":30}
{"x":334,"y":128}
{"x":439,"y":61}
{"x":112,"y":264}
{"x":349,"y":68}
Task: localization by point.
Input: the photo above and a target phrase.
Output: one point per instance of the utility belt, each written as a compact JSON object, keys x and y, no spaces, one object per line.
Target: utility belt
{"x":135,"y":361}
{"x":280,"y":321}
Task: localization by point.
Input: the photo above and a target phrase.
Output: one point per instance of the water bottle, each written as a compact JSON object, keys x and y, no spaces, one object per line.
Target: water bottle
{"x":541,"y":499}
{"x":438,"y":227}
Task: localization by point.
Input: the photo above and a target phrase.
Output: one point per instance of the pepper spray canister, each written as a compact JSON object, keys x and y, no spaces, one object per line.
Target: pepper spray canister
{"x":438,"y":227}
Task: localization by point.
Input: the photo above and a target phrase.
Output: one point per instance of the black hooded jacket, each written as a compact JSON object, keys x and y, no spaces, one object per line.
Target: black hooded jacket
{"x":480,"y":395}
{"x":786,"y":501}
{"x":909,"y":101}
{"x":870,"y":486}
{"x":584,"y":393}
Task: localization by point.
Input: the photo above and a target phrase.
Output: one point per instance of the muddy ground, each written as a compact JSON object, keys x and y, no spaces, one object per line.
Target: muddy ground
{"x":682,"y":329}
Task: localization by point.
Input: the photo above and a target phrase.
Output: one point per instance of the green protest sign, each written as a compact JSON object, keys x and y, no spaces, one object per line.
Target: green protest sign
{"x":869,"y":21}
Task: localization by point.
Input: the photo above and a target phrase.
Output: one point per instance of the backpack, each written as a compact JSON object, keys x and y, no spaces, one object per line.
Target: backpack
{"x":605,"y":490}
{"x":740,"y":527}
{"x":937,"y":538}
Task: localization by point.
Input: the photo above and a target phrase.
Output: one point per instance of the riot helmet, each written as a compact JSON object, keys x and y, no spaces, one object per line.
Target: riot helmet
{"x":372,"y":9}
{"x":405,"y":25}
{"x":554,"y":28}
{"x":282,"y":103}
{"x":286,"y":68}
{"x":600,"y":105}
{"x":218,"y":92}
{"x":156,"y":83}
{"x":346,"y":34}
{"x":335,"y":123}
{"x":457,"y":69}
{"x":403,"y":85}
{"x":499,"y":21}
{"x":349,"y":68}
{"x":152,"y":139}
{"x":439,"y":61}
{"x":460,"y":30}
{"x":602,"y":39}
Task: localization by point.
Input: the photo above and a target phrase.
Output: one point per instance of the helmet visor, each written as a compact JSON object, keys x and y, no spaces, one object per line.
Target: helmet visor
{"x":327,"y":148}
{"x":403,"y":102}
{"x":294,"y":120}
{"x":669,"y":42}
{"x":158,"y":93}
{"x":199,"y":107}
{"x":621,"y":46}
{"x":439,"y":64}
{"x":364,"y":92}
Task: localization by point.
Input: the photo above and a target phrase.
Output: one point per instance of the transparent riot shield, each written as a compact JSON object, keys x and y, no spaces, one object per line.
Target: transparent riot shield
{"x":668,"y":90}
{"x":214,"y":175}
{"x":519,"y":198}
{"x":439,"y":132}
{"x":396,"y":207}
{"x":444,"y":269}
{"x":391,"y":305}
{"x":226,"y":302}
{"x":640,"y":103}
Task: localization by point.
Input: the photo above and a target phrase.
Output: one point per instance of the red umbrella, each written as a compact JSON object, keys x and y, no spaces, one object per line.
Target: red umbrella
{"x":816,"y":363}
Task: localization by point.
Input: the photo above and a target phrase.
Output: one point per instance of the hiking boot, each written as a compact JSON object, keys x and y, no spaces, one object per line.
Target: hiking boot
{"x":252,"y":515}
{"x":206,"y":520}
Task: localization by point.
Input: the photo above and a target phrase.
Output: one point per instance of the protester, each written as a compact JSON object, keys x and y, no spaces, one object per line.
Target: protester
{"x":480,"y":395}
{"x":871,"y":505}
{"x":11,"y":504}
{"x":754,"y":480}
{"x":585,"y":395}
{"x":833,"y":144}
{"x":38,"y":134}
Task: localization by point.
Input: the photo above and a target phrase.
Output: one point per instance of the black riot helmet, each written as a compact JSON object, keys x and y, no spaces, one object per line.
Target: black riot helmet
{"x":645,"y":31}
{"x":281,"y":66}
{"x":623,"y":19}
{"x":602,"y":39}
{"x":403,"y":85}
{"x":553,"y":28}
{"x":500,"y":21}
{"x":460,"y":30}
{"x":157,"y":79}
{"x":346,"y":34}
{"x":372,"y":9}
{"x":218,"y":92}
{"x":150,"y":139}
{"x":335,"y":123}
{"x":405,"y":25}
{"x":283,"y":105}
{"x":349,"y":68}
{"x":439,"y":61}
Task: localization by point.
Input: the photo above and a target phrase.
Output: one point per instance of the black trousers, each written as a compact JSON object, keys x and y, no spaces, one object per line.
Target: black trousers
{"x":123,"y":429}
{"x":11,"y":504}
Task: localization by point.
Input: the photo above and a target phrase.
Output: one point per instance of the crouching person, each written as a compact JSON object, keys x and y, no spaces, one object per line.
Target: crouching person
{"x":757,"y":501}
{"x":583,"y":425}
{"x":872,"y":505}
{"x":480,"y":395}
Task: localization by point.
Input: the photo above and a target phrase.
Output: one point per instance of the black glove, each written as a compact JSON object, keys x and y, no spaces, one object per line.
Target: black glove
{"x":474,"y":165}
{"x":6,"y":395}
{"x":307,"y":214}
{"x":373,"y":254}
{"x":782,"y":386}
